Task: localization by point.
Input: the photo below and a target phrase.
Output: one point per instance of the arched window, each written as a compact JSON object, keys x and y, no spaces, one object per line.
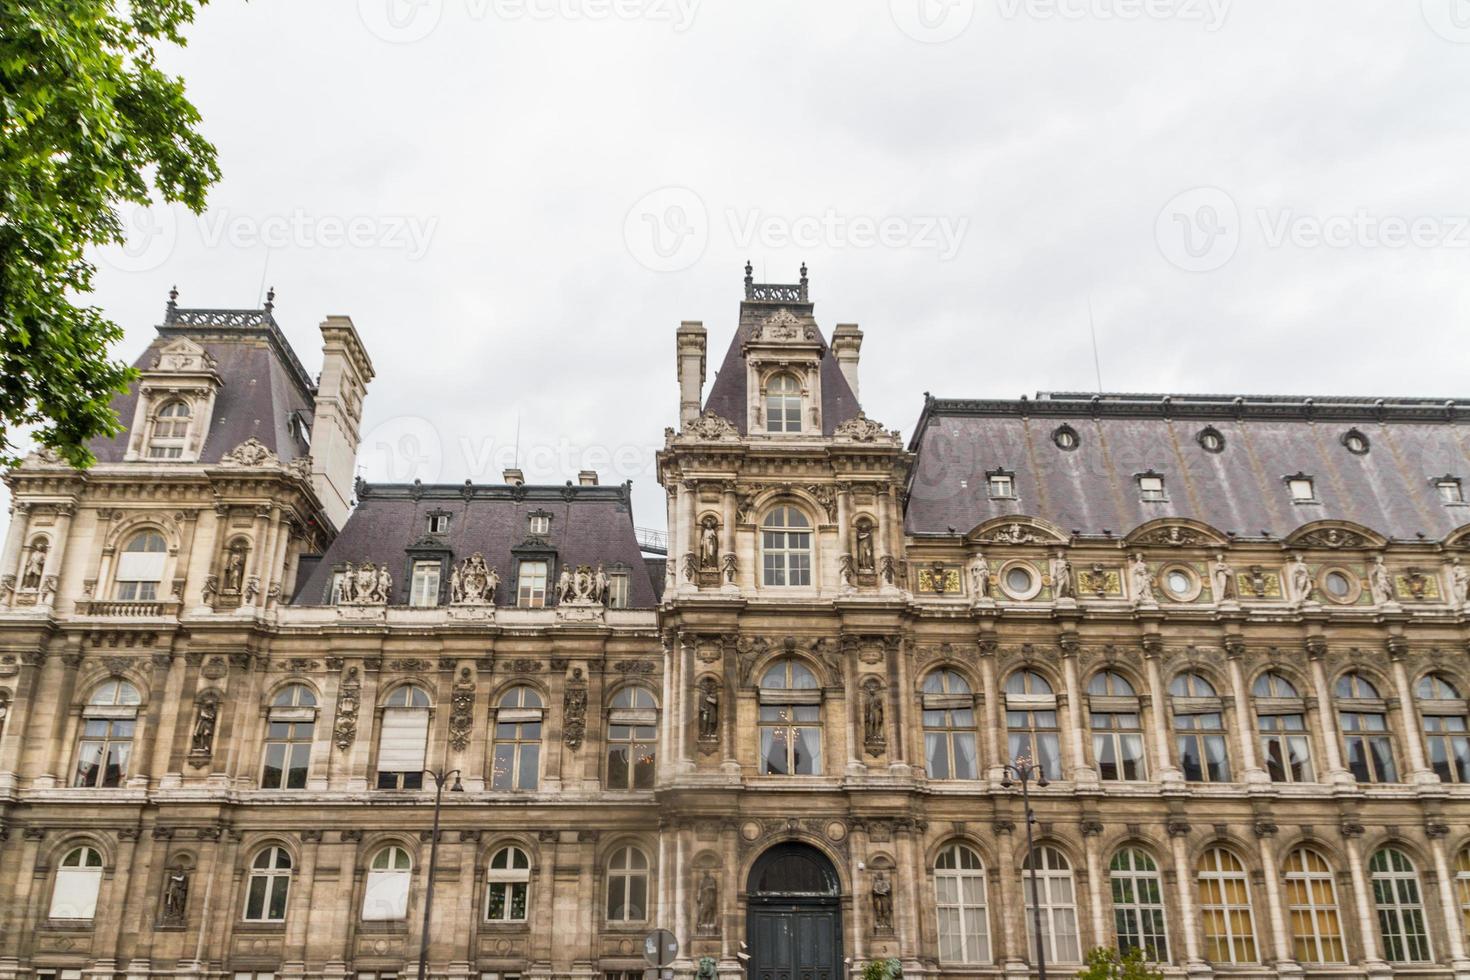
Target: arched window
{"x":783,"y":404}
{"x":1031,"y":722}
{"x":170,"y":429}
{"x":1058,"y":905}
{"x":386,"y":896}
{"x":1281,"y":719}
{"x":78,"y":881}
{"x":632,"y":739}
{"x":1117,"y":733}
{"x":1400,"y":908}
{"x":288,"y":734}
{"x":1138,"y":904}
{"x":1225,"y":908}
{"x":140,"y":568}
{"x":507,"y":886}
{"x":949,"y":726}
{"x":1462,"y":886}
{"x":270,"y":883}
{"x":959,"y":890}
{"x":1446,"y":739}
{"x":790,"y":720}
{"x":786,"y":547}
{"x":627,"y":886}
{"x":1361,"y":712}
{"x":1311,"y":901}
{"x":108,"y":722}
{"x":517,"y":761}
{"x":1199,"y":731}
{"x":403,"y":738}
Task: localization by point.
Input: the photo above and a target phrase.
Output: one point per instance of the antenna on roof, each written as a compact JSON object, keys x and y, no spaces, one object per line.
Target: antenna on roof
{"x":265,"y":268}
{"x":518,"y":439}
{"x":1092,"y":326}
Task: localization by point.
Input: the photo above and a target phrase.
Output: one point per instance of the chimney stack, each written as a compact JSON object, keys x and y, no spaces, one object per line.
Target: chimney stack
{"x":587,"y":478}
{"x":847,"y":342}
{"x":691,"y":348}
{"x":514,"y":476}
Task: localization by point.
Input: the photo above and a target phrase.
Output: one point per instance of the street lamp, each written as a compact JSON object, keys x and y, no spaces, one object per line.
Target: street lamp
{"x":440,"y":778}
{"x":1025,"y":771}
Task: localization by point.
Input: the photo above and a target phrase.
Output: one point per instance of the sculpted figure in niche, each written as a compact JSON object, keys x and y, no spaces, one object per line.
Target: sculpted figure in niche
{"x":176,"y":896}
{"x":1378,"y":582}
{"x":707,"y":903}
{"x":35,"y":567}
{"x":709,"y":708}
{"x":203,"y":741}
{"x":235,"y":567}
{"x":709,"y":543}
{"x":980,"y":577}
{"x":1301,"y":580}
{"x":864,"y":545}
{"x":1222,"y":579}
{"x":1143,"y":582}
{"x":873,"y":714}
{"x":1061,"y":577}
{"x":1459,"y":582}
{"x":882,"y":901}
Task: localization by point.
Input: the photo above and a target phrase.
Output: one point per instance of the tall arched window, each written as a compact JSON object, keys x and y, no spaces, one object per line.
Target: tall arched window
{"x":1138,"y":904}
{"x":403,"y":739}
{"x":1311,"y":901}
{"x":170,"y":429}
{"x":1058,"y":905}
{"x":1400,"y":908}
{"x":140,"y":568}
{"x":78,"y":882}
{"x":1446,"y":738}
{"x":1362,"y":713}
{"x":790,"y":720}
{"x":1117,"y":733}
{"x":507,"y":886}
{"x":632,"y":739}
{"x":786,"y":548}
{"x":1281,"y":718}
{"x":1199,"y":732}
{"x":108,"y":722}
{"x":949,"y":726}
{"x":783,"y":404}
{"x":270,"y":884}
{"x":289,"y":728}
{"x":959,"y":891}
{"x":517,"y":760}
{"x":1225,"y":908}
{"x":627,"y":886}
{"x":1031,"y":722}
{"x":386,"y":896}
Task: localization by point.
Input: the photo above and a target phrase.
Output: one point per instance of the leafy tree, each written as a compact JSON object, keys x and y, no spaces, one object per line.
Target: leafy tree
{"x":88,"y":123}
{"x":889,"y":969}
{"x":1104,"y":963}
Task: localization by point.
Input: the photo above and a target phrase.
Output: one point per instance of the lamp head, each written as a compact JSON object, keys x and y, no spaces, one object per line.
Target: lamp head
{"x":458,"y":786}
{"x":1042,"y":783}
{"x":1005,"y":781}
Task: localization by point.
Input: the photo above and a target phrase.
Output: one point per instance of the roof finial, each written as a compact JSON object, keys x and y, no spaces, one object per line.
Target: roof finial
{"x":749,"y":279}
{"x":803,"y":282}
{"x":173,"y":297}
{"x":270,"y":299}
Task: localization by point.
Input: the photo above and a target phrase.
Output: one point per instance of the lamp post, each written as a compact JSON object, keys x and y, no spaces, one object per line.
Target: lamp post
{"x":1024,"y":771}
{"x":440,"y":778}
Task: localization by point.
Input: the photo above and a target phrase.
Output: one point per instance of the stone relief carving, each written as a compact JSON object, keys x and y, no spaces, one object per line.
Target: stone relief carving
{"x":462,"y":710}
{"x":709,"y":542}
{"x":574,"y":711}
{"x":1222,"y":579}
{"x":473,"y":583}
{"x":1141,"y":580}
{"x":1301,"y":580}
{"x":1459,"y":583}
{"x":251,"y":452}
{"x":712,"y":427}
{"x":582,"y":586}
{"x":349,"y":700}
{"x":863,"y":544}
{"x":783,"y":327}
{"x":1332,"y":537}
{"x":34,"y":569}
{"x":728,"y":568}
{"x":366,"y":585}
{"x":1061,"y":577}
{"x":860,"y":428}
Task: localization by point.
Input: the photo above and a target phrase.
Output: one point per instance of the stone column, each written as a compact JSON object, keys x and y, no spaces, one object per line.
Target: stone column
{"x":853,"y":713}
{"x":728,"y":515}
{"x":1449,"y":902}
{"x":1326,"y":718}
{"x":61,"y":681}
{"x":905,"y":890}
{"x":900,"y":701}
{"x":20,"y":512}
{"x":690,"y":521}
{"x":1188,"y":913}
{"x":1271,"y":878}
{"x":858,"y":844}
{"x":683,"y":694}
{"x":844,"y":522}
{"x":1363,"y":899}
{"x":552,"y":746}
{"x":1013,"y":947}
{"x":729,"y":917}
{"x":882,"y":545}
{"x":298,"y":921}
{"x":1410,"y":724}
{"x":1080,"y":771}
{"x":1095,"y":878}
{"x":1158,"y":707}
{"x":107,"y":927}
{"x":57,"y":554}
{"x":1245,"y":728}
{"x":17,"y":724}
{"x":991,"y":729}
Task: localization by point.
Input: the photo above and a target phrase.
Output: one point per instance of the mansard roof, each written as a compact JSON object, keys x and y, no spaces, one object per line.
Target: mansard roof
{"x":1225,"y":461}
{"x":264,"y":383}
{"x":727,"y":396}
{"x":589,"y":524}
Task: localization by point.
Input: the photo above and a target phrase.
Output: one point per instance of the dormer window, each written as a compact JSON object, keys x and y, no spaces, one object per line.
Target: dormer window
{"x":1303,"y":488}
{"x":783,"y":404}
{"x":1450,"y":490}
{"x":170,"y":429}
{"x":540,"y":525}
{"x":1151,"y":487}
{"x":1001,"y":485}
{"x":617,"y":589}
{"x":531,"y":585}
{"x":424,"y":588}
{"x":438,"y":523}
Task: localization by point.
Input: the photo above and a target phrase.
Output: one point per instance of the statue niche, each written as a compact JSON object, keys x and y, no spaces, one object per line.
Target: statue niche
{"x":864,"y":554}
{"x":709,"y":552}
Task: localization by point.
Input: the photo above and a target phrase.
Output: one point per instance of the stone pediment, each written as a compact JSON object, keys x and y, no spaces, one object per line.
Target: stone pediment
{"x":183,"y":356}
{"x":711,"y":427}
{"x":784,"y":327}
{"x":1175,"y":532}
{"x":1334,"y":534}
{"x":1017,"y":530}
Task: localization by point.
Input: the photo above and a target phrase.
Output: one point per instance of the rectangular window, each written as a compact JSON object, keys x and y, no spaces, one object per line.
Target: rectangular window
{"x":287,"y":754}
{"x":401,"y":748}
{"x":1449,"y":748}
{"x":1002,"y":485}
{"x":439,"y":524}
{"x":337,"y":578}
{"x":1117,"y":746}
{"x":1202,"y":753}
{"x":1284,"y":744}
{"x":424,"y":590}
{"x":531,"y":585}
{"x":1302,"y":488}
{"x":617,"y":590}
{"x":1151,"y":487}
{"x":791,"y":739}
{"x":541,"y":524}
{"x":1369,"y":750}
{"x":1450,"y":491}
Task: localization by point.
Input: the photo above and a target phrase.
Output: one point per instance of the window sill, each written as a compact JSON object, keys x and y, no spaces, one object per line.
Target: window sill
{"x":67,"y":925}
{"x":253,"y":926}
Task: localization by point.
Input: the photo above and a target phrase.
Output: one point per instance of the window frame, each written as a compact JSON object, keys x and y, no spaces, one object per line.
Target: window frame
{"x":626,"y":874}
{"x":140,"y":589}
{"x":778,"y":404}
{"x":1304,"y":905}
{"x":962,"y":910}
{"x":1139,"y":912}
{"x":398,"y":911}
{"x":93,"y":871}
{"x":520,"y":728}
{"x":785,"y":710}
{"x":275,"y":878}
{"x":940,"y":701}
{"x":508,"y":879}
{"x":641,"y":725}
{"x":425,"y":582}
{"x":1401,"y":908}
{"x":532,"y":596}
{"x":1026,"y":734}
{"x":174,"y":443}
{"x":1230,"y":913}
{"x":1052,"y":909}
{"x":792,"y":544}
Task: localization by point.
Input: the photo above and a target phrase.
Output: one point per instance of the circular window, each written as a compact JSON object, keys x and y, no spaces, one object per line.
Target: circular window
{"x":1066,"y":438}
{"x":1020,"y":581}
{"x":1339,"y":585}
{"x":1180,"y":582}
{"x":1356,"y":442}
{"x":1211,"y":440}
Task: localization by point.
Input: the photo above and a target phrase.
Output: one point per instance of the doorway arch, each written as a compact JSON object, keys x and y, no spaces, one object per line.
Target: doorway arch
{"x":793,"y":915}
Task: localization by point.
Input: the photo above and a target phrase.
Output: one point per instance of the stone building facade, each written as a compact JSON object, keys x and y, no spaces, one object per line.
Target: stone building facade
{"x":1231,"y":632}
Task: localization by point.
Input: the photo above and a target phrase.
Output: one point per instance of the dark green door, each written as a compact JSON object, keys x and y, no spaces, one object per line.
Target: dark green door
{"x":793,"y":926}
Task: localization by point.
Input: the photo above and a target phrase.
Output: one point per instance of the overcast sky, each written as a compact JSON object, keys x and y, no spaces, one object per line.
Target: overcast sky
{"x":517,"y":201}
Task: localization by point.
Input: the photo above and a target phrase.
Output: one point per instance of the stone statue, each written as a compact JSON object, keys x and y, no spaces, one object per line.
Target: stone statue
{"x":873,"y":733}
{"x":980,"y":577}
{"x":235,"y":567}
{"x":707,"y":903}
{"x":35,"y":567}
{"x":367,"y":582}
{"x":1378,"y":582}
{"x":864,"y":548}
{"x":176,"y":896}
{"x":709,"y":708}
{"x":1141,"y":579}
{"x":1061,"y":577}
{"x":456,"y":590}
{"x":347,"y":589}
{"x":601,"y":586}
{"x":564,"y":584}
{"x":384,"y":591}
{"x":1222,"y":579}
{"x":706,"y":969}
{"x":882,"y":902}
{"x":472,"y":582}
{"x":1301,"y":580}
{"x":1459,"y":583}
{"x":203,"y":740}
{"x":709,"y":543}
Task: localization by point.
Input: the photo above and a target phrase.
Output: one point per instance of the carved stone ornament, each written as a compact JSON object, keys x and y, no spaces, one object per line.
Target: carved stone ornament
{"x":882,"y":902}
{"x":473,"y":583}
{"x":582,"y":586}
{"x":349,"y":700}
{"x":365,"y":584}
{"x":1332,"y":537}
{"x":175,"y":908}
{"x":206,"y":719}
{"x":574,"y":711}
{"x":709,"y":710}
{"x":860,"y":428}
{"x":875,"y":733}
{"x":462,"y":710}
{"x":783,"y":327}
{"x":1171,"y":536}
{"x":251,"y":452}
{"x":711,"y":427}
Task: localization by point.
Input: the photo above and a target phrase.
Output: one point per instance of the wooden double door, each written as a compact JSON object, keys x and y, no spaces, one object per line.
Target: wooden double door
{"x":794,"y":922}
